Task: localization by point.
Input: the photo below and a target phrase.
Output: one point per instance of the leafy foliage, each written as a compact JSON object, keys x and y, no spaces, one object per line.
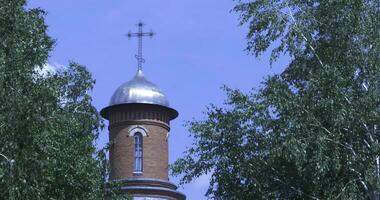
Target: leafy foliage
{"x":309,"y":132}
{"x":47,"y":124}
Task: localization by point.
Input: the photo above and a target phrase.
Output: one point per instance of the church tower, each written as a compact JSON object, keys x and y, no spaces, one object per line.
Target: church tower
{"x":139,"y":118}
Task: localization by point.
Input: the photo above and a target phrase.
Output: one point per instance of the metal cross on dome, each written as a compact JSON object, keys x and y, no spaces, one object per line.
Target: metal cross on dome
{"x":140,"y":35}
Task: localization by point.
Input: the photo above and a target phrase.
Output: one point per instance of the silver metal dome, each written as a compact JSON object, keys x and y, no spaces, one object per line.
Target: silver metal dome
{"x":139,"y":90}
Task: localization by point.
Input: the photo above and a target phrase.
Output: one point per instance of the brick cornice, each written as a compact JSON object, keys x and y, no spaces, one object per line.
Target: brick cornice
{"x":139,"y":122}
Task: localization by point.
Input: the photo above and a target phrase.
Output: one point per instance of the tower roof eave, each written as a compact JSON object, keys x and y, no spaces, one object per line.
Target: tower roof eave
{"x":106,"y":111}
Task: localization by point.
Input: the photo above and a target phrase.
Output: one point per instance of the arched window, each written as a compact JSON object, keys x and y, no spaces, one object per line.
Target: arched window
{"x":138,"y":152}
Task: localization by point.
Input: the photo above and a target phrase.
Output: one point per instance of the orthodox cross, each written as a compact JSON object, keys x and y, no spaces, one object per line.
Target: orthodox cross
{"x":140,"y":35}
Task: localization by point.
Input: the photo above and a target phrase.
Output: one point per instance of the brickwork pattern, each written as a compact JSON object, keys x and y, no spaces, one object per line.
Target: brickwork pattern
{"x":155,"y":145}
{"x":155,"y":153}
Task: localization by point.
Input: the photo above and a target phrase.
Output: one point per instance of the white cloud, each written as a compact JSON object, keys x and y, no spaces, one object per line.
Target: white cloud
{"x":48,"y":68}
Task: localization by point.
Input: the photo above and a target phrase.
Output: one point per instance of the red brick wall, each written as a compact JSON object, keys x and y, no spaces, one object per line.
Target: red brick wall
{"x":155,"y":145}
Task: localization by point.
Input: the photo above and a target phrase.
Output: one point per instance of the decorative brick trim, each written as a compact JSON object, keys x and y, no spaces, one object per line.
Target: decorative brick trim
{"x":139,"y":122}
{"x":137,"y":129}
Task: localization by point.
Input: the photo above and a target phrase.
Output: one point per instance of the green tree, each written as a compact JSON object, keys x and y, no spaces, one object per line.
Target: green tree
{"x":48,"y":125}
{"x":309,"y":132}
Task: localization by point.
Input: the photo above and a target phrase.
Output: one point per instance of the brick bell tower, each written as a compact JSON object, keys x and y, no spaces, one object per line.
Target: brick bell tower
{"x":139,"y":118}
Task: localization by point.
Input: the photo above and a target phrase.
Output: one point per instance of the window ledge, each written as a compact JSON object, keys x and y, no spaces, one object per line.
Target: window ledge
{"x":138,"y":173}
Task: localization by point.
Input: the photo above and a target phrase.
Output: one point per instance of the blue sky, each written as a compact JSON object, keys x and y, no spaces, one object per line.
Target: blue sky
{"x":198,"y":47}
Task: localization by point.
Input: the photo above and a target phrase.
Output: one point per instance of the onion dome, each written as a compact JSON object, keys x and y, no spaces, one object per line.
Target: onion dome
{"x":139,"y":90}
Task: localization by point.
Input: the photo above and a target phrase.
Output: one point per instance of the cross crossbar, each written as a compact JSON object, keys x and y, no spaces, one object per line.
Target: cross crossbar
{"x":140,"y":34}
